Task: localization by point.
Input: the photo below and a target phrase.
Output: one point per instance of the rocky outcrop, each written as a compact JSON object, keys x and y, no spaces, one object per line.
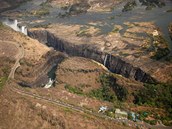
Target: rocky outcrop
{"x":153,"y":3}
{"x":40,"y":35}
{"x":113,"y":63}
{"x":149,"y":4}
{"x":129,"y":6}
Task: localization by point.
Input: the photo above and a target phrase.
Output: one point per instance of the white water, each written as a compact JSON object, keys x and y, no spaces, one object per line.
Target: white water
{"x":14,"y":25}
{"x":49,"y":84}
{"x":105,"y":60}
{"x":138,"y":3}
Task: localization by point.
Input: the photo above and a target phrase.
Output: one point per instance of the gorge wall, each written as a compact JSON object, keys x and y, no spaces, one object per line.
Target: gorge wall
{"x":113,"y":63}
{"x":39,"y":75}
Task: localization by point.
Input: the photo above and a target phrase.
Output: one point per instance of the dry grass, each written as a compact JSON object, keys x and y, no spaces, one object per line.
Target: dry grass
{"x":33,"y":49}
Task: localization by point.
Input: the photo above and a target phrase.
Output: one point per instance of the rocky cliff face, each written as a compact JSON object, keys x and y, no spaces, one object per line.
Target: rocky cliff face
{"x":113,"y":63}
{"x":41,"y":35}
{"x":38,"y":76}
{"x":170,"y":30}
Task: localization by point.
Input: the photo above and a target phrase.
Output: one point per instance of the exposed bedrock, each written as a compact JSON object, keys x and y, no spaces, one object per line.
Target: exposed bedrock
{"x":113,"y":63}
{"x":40,"y":35}
{"x":170,"y":30}
{"x":39,"y":76}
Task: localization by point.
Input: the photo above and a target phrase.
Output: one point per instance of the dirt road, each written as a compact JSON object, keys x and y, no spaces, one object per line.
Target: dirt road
{"x":19,"y":56}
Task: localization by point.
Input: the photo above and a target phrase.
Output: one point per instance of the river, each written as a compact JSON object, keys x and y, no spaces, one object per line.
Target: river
{"x":159,"y":16}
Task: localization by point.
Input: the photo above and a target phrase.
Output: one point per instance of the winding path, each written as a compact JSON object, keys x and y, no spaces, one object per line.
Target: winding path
{"x":141,"y":125}
{"x":70,"y":106}
{"x":19,"y":56}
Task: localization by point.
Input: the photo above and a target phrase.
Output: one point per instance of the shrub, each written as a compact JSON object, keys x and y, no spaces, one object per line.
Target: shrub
{"x":83,"y":32}
{"x":161,"y":47}
{"x":6,"y":71}
{"x":157,"y":95}
{"x":80,"y":7}
{"x":74,"y":90}
{"x":129,"y":6}
{"x":110,"y":91}
{"x":1,"y":25}
{"x":109,"y":81}
{"x":2,"y":81}
{"x":103,"y":94}
{"x":161,"y":52}
{"x":42,"y":12}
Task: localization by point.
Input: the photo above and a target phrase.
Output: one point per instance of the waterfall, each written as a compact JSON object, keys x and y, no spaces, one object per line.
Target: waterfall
{"x":49,"y":84}
{"x":138,"y":2}
{"x":105,"y":59}
{"x":24,"y":30}
{"x":14,"y":25}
